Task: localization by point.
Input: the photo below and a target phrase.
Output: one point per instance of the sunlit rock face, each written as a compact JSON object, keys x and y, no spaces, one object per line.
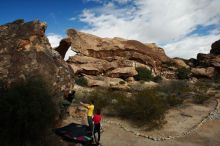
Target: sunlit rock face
{"x":116,"y":57}
{"x":26,"y":52}
{"x":207,"y":65}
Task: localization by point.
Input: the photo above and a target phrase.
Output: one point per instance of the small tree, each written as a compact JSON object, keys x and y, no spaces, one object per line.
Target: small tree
{"x":182,"y":73}
{"x":82,"y":81}
{"x":143,"y":74}
{"x":27,"y":112}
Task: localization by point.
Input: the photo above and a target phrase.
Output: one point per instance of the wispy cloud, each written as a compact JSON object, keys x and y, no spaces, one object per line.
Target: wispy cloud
{"x":167,"y":22}
{"x":54,"y":39}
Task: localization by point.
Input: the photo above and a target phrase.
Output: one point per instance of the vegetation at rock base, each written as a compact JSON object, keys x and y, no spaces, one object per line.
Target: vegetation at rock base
{"x":143,"y":74}
{"x":82,"y":81}
{"x":147,"y":106}
{"x":157,"y":79}
{"x":27,"y":113}
{"x":183,"y":73}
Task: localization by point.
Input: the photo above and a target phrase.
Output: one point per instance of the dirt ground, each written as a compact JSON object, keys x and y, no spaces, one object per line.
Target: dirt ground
{"x":207,"y":135}
{"x":179,"y":120}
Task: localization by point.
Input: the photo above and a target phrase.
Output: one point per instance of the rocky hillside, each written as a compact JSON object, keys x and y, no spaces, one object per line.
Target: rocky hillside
{"x":26,"y":52}
{"x":116,"y":58}
{"x":207,"y":65}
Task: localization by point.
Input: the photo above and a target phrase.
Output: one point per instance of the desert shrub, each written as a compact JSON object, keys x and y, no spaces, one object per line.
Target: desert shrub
{"x":82,"y":81}
{"x":100,"y":97}
{"x":174,"y":87}
{"x":144,"y":106}
{"x":143,"y":74}
{"x":122,"y":82}
{"x":182,"y":73}
{"x":200,"y":98}
{"x":27,"y":112}
{"x":173,"y":100}
{"x":157,"y":79}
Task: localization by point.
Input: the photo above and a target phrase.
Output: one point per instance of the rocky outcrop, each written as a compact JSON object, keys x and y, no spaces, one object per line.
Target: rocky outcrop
{"x":215,"y":48}
{"x":63,"y":47}
{"x":25,"y":52}
{"x":116,"y":57}
{"x":208,"y":72}
{"x":207,"y":65}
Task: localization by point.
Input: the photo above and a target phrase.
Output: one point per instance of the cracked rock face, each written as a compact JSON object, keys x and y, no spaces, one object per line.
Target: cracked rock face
{"x":25,"y":52}
{"x":115,"y":57}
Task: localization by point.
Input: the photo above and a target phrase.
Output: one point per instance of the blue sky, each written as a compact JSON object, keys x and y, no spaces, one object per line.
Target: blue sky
{"x":182,"y":28}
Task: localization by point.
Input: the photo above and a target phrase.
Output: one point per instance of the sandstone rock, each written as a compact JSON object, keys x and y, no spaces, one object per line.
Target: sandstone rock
{"x":215,"y":48}
{"x":180,"y":63}
{"x":203,"y":72}
{"x":25,"y":52}
{"x":123,"y":72}
{"x":111,"y":57}
{"x":207,"y":60}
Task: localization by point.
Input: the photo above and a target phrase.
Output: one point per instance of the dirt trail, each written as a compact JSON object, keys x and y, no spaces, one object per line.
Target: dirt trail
{"x":207,"y":135}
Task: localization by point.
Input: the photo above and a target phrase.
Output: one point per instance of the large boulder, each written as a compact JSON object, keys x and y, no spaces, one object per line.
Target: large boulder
{"x":215,"y":48}
{"x":114,"y":57}
{"x":207,"y":60}
{"x":123,"y":73}
{"x":208,"y":72}
{"x":26,"y":52}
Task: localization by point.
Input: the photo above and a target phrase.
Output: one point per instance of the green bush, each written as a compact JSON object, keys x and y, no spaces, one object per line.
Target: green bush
{"x":122,"y":82}
{"x":183,"y":73}
{"x":173,"y":100}
{"x":157,"y":79}
{"x":174,"y":87}
{"x":27,"y":112}
{"x":100,"y":96}
{"x":144,"y":107}
{"x":143,"y":74}
{"x":82,"y":81}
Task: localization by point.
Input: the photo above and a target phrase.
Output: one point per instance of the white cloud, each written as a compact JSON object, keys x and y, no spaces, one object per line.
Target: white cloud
{"x":159,"y":21}
{"x":69,"y":53}
{"x":54,"y":39}
{"x":189,"y":47}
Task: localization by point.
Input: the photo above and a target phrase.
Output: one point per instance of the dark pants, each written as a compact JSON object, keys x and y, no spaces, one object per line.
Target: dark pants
{"x":97,"y":130}
{"x":90,"y":123}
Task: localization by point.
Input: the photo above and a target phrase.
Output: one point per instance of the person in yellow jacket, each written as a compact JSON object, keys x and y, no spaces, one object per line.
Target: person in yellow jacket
{"x":90,"y":108}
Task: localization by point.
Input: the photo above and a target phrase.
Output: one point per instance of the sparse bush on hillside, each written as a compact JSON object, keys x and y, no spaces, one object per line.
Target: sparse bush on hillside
{"x":173,"y":100}
{"x":140,"y":107}
{"x":144,"y":107}
{"x":143,"y":74}
{"x":200,"y":98}
{"x":122,"y":82}
{"x":82,"y":81}
{"x":157,"y":79}
{"x":174,"y":87}
{"x":27,"y":112}
{"x":183,"y":73}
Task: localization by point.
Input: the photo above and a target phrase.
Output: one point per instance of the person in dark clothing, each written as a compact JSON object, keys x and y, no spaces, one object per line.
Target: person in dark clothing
{"x":97,"y":126}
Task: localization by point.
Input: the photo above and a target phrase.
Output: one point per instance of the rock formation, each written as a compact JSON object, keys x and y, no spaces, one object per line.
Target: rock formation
{"x":25,"y":52}
{"x":207,"y":65}
{"x":115,"y":58}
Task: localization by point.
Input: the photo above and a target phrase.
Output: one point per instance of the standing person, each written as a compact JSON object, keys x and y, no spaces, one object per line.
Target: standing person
{"x":97,"y":126}
{"x":90,"y":108}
